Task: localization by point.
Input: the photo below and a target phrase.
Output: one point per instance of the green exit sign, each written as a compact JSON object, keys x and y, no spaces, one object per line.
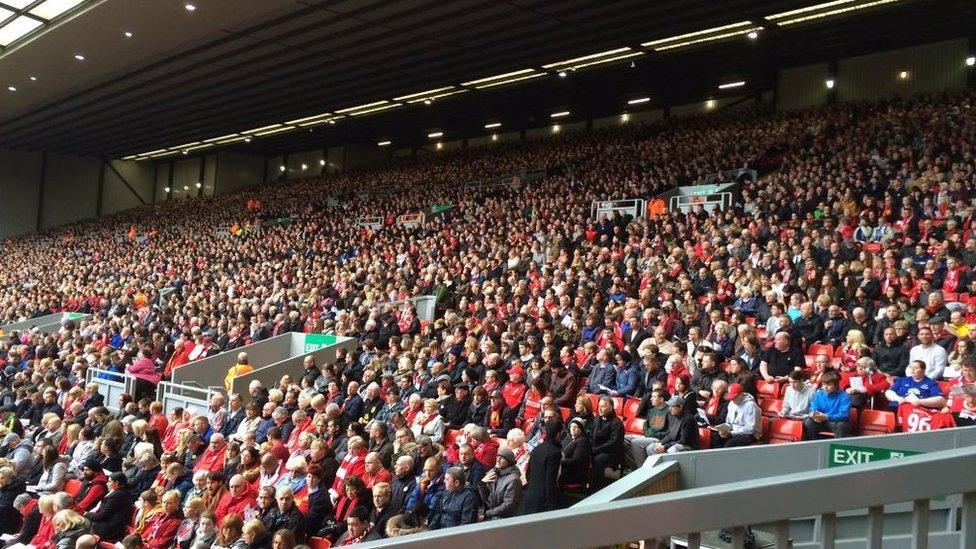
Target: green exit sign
{"x":846,"y":454}
{"x":313,"y":342}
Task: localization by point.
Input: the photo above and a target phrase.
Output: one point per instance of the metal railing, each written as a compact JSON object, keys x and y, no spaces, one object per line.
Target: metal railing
{"x":177,"y":395}
{"x":730,"y":176}
{"x":774,"y":500}
{"x":111,"y":385}
{"x":635,"y":207}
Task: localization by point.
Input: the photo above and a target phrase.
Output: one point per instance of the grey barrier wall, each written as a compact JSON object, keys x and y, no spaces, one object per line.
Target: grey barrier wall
{"x":111,"y":385}
{"x":55,"y":326}
{"x":192,"y":399}
{"x":210,"y":372}
{"x":323,"y":350}
{"x":43,"y":322}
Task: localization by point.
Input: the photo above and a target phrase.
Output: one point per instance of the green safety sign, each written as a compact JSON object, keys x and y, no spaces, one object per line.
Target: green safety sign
{"x":313,"y":342}
{"x":847,"y":454}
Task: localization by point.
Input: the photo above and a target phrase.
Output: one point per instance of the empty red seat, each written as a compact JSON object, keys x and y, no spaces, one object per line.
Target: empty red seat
{"x":319,"y":543}
{"x":630,"y":407}
{"x":618,"y":406}
{"x":820,"y":348}
{"x":565,"y":412}
{"x":594,"y":400}
{"x":785,"y":430}
{"x":634,"y":425}
{"x":770,"y":407}
{"x":767,"y":389}
{"x":72,"y":487}
{"x":876,"y":422}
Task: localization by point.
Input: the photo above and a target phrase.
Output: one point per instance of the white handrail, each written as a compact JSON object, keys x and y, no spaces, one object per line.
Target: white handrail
{"x":696,"y":510}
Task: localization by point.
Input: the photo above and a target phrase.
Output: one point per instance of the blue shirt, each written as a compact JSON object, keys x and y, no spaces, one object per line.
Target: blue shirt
{"x":905,"y":386}
{"x":626,"y":382}
{"x":836,"y":406}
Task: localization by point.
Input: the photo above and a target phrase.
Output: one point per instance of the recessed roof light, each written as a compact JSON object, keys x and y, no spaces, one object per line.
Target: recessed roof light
{"x":562,"y":74}
{"x":304,"y":167}
{"x":639,"y":100}
{"x":970,"y":61}
{"x":167,"y":189}
{"x":383,"y":143}
{"x":79,"y":57}
{"x":190,"y":7}
{"x":738,"y":84}
{"x":427,"y":101}
{"x":186,"y":187}
{"x":127,"y":34}
{"x":434,"y":135}
{"x":247,"y":139}
{"x":753,"y":35}
{"x":12,"y":88}
{"x":199,"y":184}
{"x":322,"y":162}
{"x":493,"y":125}
{"x":903,"y":75}
{"x":559,"y":114}
{"x":830,"y":83}
{"x":33,"y":79}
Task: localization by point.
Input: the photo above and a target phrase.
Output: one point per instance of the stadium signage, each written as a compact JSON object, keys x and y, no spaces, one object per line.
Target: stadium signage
{"x":845,"y":454}
{"x":314,"y":342}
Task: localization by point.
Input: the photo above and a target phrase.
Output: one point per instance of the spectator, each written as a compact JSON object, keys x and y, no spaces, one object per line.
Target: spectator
{"x":865,"y":385}
{"x":458,"y":506}
{"x":799,"y":395}
{"x":780,"y":359}
{"x":10,"y":487}
{"x":69,"y":526}
{"x":606,"y":441}
{"x":916,"y":388}
{"x":655,"y":428}
{"x":741,"y":426}
{"x":501,"y":488}
{"x":109,"y":519}
{"x":829,"y":411}
{"x":682,"y":430}
{"x":929,"y":353}
{"x":542,"y":490}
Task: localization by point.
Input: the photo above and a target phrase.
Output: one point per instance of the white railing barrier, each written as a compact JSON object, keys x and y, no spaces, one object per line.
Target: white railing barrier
{"x":188,"y":397}
{"x":708,"y":202}
{"x":774,"y":500}
{"x":410,"y":221}
{"x":635,"y":207}
{"x":111,"y":385}
{"x":372,"y":223}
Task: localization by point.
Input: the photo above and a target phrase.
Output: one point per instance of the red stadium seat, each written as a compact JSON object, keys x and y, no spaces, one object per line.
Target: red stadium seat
{"x":817,"y":348}
{"x":319,"y":543}
{"x":72,"y":487}
{"x":810,"y":360}
{"x":594,"y":400}
{"x":704,"y":438}
{"x":565,"y":412}
{"x":634,"y":425}
{"x":876,"y":422}
{"x":770,"y":407}
{"x":871,"y":247}
{"x":785,"y":430}
{"x":618,"y":406}
{"x":767,"y":389}
{"x":630,"y":407}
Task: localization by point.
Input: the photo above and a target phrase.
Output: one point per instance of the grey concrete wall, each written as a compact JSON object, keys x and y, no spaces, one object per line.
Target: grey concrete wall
{"x":20,"y":188}
{"x":802,"y":87}
{"x":211,"y":371}
{"x":238,"y":171}
{"x":932,"y":68}
{"x":116,"y":196}
{"x":70,"y":191}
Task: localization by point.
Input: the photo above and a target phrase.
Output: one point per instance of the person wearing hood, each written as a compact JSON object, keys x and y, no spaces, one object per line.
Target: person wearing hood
{"x":501,"y":488}
{"x":10,"y":487}
{"x":110,"y":518}
{"x":68,"y":527}
{"x":20,"y":453}
{"x":741,"y":427}
{"x":94,"y":485}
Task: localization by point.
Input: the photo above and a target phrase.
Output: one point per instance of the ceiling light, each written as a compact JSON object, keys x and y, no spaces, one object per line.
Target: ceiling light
{"x":263,"y":128}
{"x":593,"y":59}
{"x":556,"y":128}
{"x":494,"y":137}
{"x":79,"y":57}
{"x":753,"y":35}
{"x":903,"y":75}
{"x":221,"y":138}
{"x":12,"y":88}
{"x":422,"y":95}
{"x":33,"y":78}
{"x":830,"y":83}
{"x":190,"y":7}
{"x":361,"y":107}
{"x":186,"y":187}
{"x":167,"y":189}
{"x":127,"y":34}
{"x":729,"y":85}
{"x":826,"y":9}
{"x":247,"y":139}
{"x":702,"y":36}
{"x":16,"y":28}
{"x":639,"y":101}
{"x":376,"y":109}
{"x":504,"y":76}
{"x":185,"y":152}
{"x":625,"y":117}
{"x":559,"y":114}
{"x":199,"y":184}
{"x":307,"y":119}
{"x":710,"y":104}
{"x":435,"y":135}
{"x":970,"y":61}
{"x":493,"y":125}
{"x":384,"y":143}
{"x":278,"y":130}
{"x":562,"y":74}
{"x":322,"y":162}
{"x":304,"y":167}
{"x":282,"y":167}
{"x":427,"y":101}
{"x":509,"y":81}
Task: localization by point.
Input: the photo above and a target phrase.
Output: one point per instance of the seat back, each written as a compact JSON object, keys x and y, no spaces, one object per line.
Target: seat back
{"x":820,"y":348}
{"x":785,"y":430}
{"x":72,"y":487}
{"x":319,"y":543}
{"x":876,"y":422}
{"x":770,"y":407}
{"x":630,"y":407}
{"x":634,"y":425}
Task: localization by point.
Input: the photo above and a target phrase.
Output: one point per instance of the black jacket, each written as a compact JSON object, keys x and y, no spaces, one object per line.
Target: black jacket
{"x":576,"y":461}
{"x":682,"y":430}
{"x":232,"y":423}
{"x":112,"y":516}
{"x":891,"y":360}
{"x":292,"y":520}
{"x":607,"y":436}
{"x":10,"y":518}
{"x":319,"y":510}
{"x":400,"y":492}
{"x":541,"y":491}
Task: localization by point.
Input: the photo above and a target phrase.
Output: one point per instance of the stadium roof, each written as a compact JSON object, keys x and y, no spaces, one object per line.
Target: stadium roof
{"x":132,"y":77}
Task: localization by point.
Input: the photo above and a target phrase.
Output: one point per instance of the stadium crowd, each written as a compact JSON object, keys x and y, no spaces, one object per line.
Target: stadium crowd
{"x":564,"y":351}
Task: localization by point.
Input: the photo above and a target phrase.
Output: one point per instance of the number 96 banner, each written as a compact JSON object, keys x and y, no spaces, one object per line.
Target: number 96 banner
{"x":919,"y":418}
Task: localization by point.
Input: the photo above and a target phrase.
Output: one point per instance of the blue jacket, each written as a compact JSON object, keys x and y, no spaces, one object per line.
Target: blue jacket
{"x":836,"y":406}
{"x":261,"y":435}
{"x":627,"y":380}
{"x":602,"y":374}
{"x":454,"y":509}
{"x":589,"y":334}
{"x":432,"y":497}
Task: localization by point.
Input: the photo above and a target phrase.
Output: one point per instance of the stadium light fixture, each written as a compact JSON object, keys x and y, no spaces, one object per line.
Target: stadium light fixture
{"x":700,"y":37}
{"x":730,"y":85}
{"x":32,"y":78}
{"x":322,"y":162}
{"x":199,"y":184}
{"x":79,"y":57}
{"x":753,"y":35}
{"x":903,"y":75}
{"x":384,"y":143}
{"x":186,"y":187}
{"x":494,"y":137}
{"x":971,"y":61}
{"x":190,"y":7}
{"x":639,"y":101}
{"x":625,"y":117}
{"x":439,"y":145}
{"x":12,"y":88}
{"x":562,"y":74}
{"x":556,"y":128}
{"x":127,"y":34}
{"x":435,"y":135}
{"x":560,"y":114}
{"x":830,"y":83}
{"x":493,"y":125}
{"x":608,"y":56}
{"x":282,"y":168}
{"x":167,"y":189}
{"x":304,"y":167}
{"x":710,"y":104}
{"x":826,"y":9}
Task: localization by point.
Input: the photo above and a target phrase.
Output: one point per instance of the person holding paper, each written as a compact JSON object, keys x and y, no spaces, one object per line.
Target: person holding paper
{"x":799,"y":394}
{"x":830,"y":410}
{"x":865,"y":383}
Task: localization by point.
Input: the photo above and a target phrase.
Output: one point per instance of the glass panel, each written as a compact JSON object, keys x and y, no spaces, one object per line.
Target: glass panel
{"x":54,"y":8}
{"x":18,"y":4}
{"x":17,"y":28}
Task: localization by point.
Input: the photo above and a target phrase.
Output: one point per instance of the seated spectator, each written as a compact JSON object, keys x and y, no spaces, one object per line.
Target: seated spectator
{"x":960,"y":355}
{"x":69,"y":526}
{"x":429,"y":422}
{"x":929,"y":353}
{"x":741,"y":426}
{"x":916,"y":388}
{"x":796,"y":402}
{"x":606,"y":441}
{"x":682,"y":431}
{"x":852,"y":350}
{"x":780,"y":359}
{"x":457,"y":506}
{"x":865,"y":385}
{"x":577,"y":457}
{"x":829,"y":411}
{"x":10,"y":488}
{"x":891,"y":354}
{"x":358,"y":529}
{"x":109,"y":519}
{"x":501,"y":488}
{"x":655,"y":428}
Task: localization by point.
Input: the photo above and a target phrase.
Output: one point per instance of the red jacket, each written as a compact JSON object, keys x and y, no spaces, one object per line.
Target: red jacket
{"x":145,"y":369}
{"x":45,"y":532}
{"x":296,"y":434}
{"x":160,"y":530}
{"x":211,"y":460}
{"x":486,"y":452}
{"x":351,"y":465}
{"x":231,"y":504}
{"x":513,"y":393}
{"x":96,"y":491}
